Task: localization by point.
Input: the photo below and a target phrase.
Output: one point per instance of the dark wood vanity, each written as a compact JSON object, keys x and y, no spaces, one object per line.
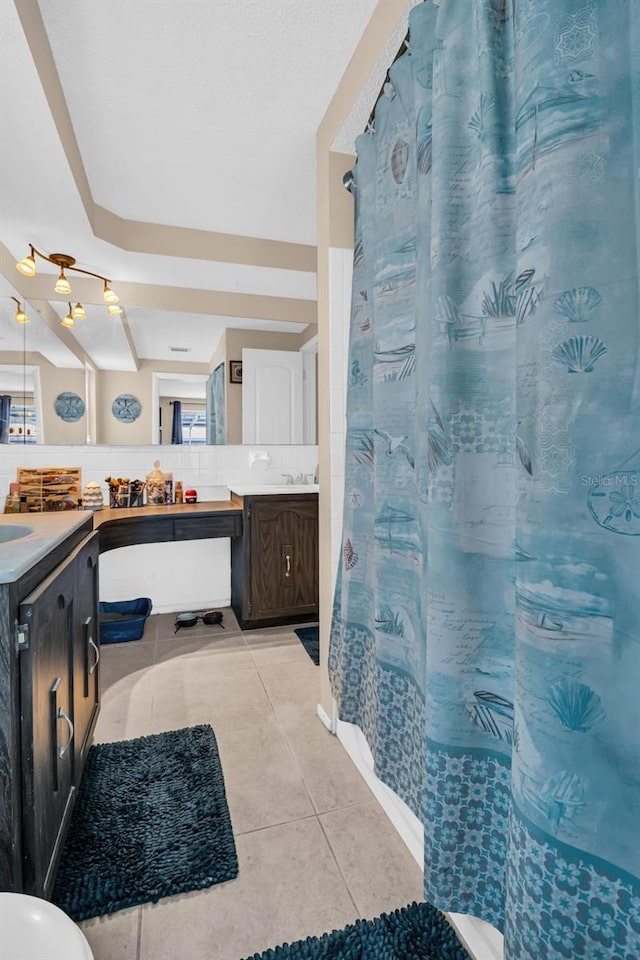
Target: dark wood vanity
{"x":274,"y":565}
{"x":49,"y":701}
{"x":50,"y":650}
{"x":274,"y":548}
{"x":179,"y":521}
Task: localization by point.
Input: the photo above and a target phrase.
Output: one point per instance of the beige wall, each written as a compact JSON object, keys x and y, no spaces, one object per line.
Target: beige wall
{"x":109,"y":384}
{"x":236,"y":341}
{"x":219,"y":355}
{"x":53,"y":381}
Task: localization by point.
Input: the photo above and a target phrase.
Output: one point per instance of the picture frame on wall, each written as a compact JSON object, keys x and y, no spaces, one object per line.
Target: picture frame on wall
{"x":235,"y":371}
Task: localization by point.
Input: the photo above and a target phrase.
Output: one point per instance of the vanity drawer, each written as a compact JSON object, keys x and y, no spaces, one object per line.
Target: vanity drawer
{"x":201,"y":528}
{"x":128,"y":531}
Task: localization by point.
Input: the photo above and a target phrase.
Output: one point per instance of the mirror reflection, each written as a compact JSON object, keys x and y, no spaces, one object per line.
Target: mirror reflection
{"x":188,"y":379}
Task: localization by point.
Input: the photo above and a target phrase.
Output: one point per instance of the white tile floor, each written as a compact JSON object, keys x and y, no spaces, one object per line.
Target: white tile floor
{"x":315,"y":850}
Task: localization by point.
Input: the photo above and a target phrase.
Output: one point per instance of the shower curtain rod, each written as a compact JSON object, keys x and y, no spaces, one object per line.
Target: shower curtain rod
{"x":403,"y":46}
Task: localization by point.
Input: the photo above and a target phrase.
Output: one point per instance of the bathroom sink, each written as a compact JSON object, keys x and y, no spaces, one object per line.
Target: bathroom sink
{"x":13,"y":531}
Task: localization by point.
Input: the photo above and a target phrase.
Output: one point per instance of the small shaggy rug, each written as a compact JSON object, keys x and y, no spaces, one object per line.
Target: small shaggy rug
{"x":417,"y":932}
{"x":151,"y":820}
{"x":310,"y":639}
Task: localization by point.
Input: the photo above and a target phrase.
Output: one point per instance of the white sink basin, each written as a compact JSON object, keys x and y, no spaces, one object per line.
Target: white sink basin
{"x":23,"y":542}
{"x":14,"y":531}
{"x":265,"y":489}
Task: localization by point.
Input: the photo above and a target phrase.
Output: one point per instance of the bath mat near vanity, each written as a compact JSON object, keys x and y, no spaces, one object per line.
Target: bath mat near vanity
{"x":151,"y":820}
{"x":416,"y":931}
{"x":310,"y":639}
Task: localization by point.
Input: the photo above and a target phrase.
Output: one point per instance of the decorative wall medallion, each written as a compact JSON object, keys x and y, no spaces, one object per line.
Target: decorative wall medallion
{"x":614,"y":501}
{"x":126,"y":408}
{"x":69,"y":406}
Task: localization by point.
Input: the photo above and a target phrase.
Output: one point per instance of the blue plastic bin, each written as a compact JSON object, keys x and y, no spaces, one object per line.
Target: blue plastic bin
{"x":123,"y":620}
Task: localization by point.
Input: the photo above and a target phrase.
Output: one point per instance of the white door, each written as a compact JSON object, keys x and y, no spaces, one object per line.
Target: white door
{"x":272,"y":396}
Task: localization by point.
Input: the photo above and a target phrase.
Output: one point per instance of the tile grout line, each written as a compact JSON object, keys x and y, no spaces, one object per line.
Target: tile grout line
{"x":340,"y":871}
{"x":283,"y":734}
{"x":139,"y":943}
{"x":280,"y":823}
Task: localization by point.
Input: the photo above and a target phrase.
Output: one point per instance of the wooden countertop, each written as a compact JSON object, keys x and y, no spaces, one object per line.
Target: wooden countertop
{"x":164,"y":510}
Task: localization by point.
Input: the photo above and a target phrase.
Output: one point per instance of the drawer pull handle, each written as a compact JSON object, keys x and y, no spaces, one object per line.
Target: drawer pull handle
{"x":62,"y":715}
{"x":97,"y":653}
{"x":287,"y":571}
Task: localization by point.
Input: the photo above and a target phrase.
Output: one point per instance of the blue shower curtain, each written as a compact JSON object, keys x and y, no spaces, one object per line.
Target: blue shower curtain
{"x":486,"y":631}
{"x":216,"y":419}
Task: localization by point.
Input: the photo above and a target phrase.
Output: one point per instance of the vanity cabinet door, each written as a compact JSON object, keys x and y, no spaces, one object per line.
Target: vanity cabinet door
{"x":46,"y":680}
{"x":284,"y":558}
{"x":86,"y":649}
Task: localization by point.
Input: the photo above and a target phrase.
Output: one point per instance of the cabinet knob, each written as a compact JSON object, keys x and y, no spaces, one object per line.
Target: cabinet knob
{"x":287,"y":565}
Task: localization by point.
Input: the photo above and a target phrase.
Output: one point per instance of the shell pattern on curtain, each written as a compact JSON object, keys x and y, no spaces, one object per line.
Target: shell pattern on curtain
{"x":486,"y":630}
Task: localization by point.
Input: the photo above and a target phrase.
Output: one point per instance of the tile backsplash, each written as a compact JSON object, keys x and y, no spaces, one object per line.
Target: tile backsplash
{"x":209,"y":469}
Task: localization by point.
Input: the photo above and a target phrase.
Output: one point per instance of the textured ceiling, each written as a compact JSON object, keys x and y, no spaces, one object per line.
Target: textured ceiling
{"x":204,"y":114}
{"x":189,"y":113}
{"x":357,"y":119}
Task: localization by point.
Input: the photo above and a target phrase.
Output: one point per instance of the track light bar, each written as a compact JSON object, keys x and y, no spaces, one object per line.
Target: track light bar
{"x":27,"y":267}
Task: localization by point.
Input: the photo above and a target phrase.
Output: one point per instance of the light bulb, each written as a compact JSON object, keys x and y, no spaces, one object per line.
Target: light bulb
{"x":21,"y":316}
{"x":27,"y":267}
{"x":62,"y":284}
{"x":78,"y":312}
{"x":68,"y":320}
{"x":114,"y":309}
{"x":109,"y":295}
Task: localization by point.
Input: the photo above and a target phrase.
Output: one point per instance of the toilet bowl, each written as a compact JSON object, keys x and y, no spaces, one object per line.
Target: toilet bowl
{"x":34,"y":929}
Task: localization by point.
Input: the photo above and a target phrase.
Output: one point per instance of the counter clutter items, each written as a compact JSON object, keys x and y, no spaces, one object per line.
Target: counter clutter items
{"x":92,"y":498}
{"x":155,"y":485}
{"x":49,"y":488}
{"x":124,"y":492}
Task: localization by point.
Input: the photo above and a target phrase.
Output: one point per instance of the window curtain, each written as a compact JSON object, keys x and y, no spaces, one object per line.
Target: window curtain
{"x":216,"y":420}
{"x":5,"y":417}
{"x":176,"y":422}
{"x":487,"y":605}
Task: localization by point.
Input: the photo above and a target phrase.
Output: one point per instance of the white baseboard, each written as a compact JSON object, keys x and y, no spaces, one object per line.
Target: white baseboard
{"x":328,"y":721}
{"x":193,"y":607}
{"x":482,"y":940}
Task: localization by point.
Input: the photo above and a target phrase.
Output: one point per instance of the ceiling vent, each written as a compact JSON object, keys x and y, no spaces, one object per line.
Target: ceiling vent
{"x":180,"y":349}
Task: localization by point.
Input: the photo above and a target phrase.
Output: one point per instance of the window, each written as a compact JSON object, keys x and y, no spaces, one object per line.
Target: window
{"x":194,"y":427}
{"x":22,"y":423}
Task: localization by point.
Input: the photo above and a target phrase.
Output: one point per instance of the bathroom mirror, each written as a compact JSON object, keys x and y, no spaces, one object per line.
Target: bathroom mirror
{"x":126,"y":374}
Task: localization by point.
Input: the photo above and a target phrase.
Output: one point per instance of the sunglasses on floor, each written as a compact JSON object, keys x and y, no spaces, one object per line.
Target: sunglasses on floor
{"x":210,"y":618}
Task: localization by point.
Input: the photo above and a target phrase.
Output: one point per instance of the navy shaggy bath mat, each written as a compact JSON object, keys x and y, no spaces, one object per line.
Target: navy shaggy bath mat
{"x":310,"y":639}
{"x":151,"y":820}
{"x":417,"y":932}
